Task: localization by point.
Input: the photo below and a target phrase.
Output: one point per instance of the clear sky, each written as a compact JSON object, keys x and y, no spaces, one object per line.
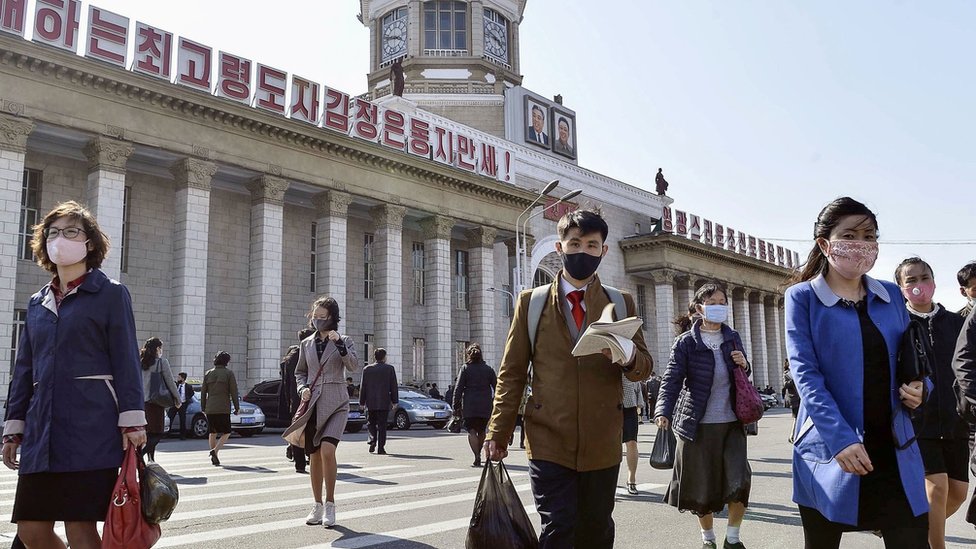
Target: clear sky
{"x":759,"y":112}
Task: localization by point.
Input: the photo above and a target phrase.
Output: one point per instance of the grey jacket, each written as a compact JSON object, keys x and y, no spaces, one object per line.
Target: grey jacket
{"x":162,"y":366}
{"x":633,"y":397}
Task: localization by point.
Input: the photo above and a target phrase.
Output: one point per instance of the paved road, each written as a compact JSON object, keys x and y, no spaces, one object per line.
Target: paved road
{"x":421,"y":496}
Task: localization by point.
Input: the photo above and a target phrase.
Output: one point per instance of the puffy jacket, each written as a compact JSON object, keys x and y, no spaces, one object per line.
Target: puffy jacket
{"x":964,"y":364}
{"x":687,"y":383}
{"x":939,"y":417}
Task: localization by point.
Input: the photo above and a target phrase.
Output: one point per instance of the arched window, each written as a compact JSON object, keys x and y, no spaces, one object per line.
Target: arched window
{"x":445,"y":28}
{"x":496,"y":37}
{"x":541,"y":278}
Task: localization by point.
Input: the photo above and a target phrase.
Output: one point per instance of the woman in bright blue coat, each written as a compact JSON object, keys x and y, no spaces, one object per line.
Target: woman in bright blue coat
{"x":855,"y":463}
{"x":76,"y":398}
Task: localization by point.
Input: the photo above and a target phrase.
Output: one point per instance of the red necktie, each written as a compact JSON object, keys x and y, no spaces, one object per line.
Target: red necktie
{"x":576,"y":297}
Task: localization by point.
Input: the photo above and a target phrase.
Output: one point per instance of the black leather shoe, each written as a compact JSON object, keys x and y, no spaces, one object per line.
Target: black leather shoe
{"x":736,"y":545}
{"x":213,"y":458}
{"x":381,"y":452}
{"x":372,"y":448}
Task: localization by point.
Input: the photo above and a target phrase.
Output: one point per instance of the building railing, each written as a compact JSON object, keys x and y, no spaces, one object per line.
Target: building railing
{"x":496,"y":61}
{"x":446,"y":53}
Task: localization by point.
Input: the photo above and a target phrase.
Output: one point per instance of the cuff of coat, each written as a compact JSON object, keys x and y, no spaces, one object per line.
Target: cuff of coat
{"x":132,"y":418}
{"x":13,"y":427}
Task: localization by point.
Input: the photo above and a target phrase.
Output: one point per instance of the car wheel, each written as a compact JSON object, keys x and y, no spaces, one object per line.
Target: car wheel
{"x":199,"y":426}
{"x":438,"y":424}
{"x":402,"y":420}
{"x":353,"y":428}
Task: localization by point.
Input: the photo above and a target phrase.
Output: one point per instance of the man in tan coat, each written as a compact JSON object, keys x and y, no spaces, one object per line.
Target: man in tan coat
{"x":573,"y":420}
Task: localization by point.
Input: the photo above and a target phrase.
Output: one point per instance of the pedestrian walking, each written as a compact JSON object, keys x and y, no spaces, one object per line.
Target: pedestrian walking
{"x":573,"y":424}
{"x":964,"y":363}
{"x":631,"y":409}
{"x":378,"y":392}
{"x":435,"y":392}
{"x":967,"y":287}
{"x":218,"y":390}
{"x":449,"y":394}
{"x":288,"y":400}
{"x":77,"y":372}
{"x":943,"y":437}
{"x":323,"y":360}
{"x":653,"y":390}
{"x":792,"y":396}
{"x":151,"y":358}
{"x":473,"y":393}
{"x":856,"y":465}
{"x":711,"y":468}
{"x":185,"y":390}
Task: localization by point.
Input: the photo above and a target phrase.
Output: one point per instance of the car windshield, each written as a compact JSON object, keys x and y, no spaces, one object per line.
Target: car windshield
{"x":411,"y":394}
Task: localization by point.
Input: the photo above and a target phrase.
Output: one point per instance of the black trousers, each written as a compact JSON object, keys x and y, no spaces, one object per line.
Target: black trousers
{"x":576,"y":508}
{"x":173,"y":411}
{"x":820,"y":533}
{"x":376,"y":425}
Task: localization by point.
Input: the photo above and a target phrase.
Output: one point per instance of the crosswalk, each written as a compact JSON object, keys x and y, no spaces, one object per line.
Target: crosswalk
{"x":257,"y":500}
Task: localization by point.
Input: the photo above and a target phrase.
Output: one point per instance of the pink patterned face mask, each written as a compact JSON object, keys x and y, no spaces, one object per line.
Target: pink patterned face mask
{"x":852,"y":259}
{"x":920,"y":293}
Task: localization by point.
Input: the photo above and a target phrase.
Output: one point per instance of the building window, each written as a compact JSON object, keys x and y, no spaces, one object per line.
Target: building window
{"x":496,"y":38}
{"x":30,"y":211}
{"x":367,"y":348}
{"x":541,"y":278}
{"x":418,"y":273}
{"x":461,"y":280}
{"x":126,"y":215}
{"x":368,"y":266}
{"x":418,"y":358}
{"x":459,"y":348}
{"x":393,"y":36}
{"x":642,"y":303}
{"x":509,"y":306}
{"x":314,"y":259}
{"x":445,"y":28}
{"x":20,"y":321}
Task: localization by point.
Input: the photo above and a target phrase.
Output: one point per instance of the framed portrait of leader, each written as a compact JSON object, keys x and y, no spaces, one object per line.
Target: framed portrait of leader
{"x":537,"y":123}
{"x":563,"y":132}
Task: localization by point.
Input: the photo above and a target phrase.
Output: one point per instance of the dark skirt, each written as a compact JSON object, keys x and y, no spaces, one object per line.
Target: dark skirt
{"x":712,"y":470}
{"x":218,"y":424}
{"x":630,"y":424}
{"x":81,"y":496}
{"x":478,"y":424}
{"x":155,"y":422}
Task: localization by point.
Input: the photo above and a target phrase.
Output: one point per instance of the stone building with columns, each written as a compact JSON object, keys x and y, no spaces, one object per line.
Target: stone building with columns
{"x":227,"y":220}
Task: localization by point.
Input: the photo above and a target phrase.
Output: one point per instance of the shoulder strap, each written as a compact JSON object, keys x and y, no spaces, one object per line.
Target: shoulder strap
{"x":619,"y":305}
{"x":536,"y":303}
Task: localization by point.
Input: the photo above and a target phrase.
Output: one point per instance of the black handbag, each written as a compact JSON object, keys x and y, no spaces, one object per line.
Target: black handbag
{"x":455,"y":424}
{"x":914,"y":355}
{"x":159,"y":492}
{"x":158,"y":390}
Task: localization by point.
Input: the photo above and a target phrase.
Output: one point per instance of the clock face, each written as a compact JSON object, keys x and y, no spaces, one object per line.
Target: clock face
{"x":496,"y":41}
{"x":394,"y":38}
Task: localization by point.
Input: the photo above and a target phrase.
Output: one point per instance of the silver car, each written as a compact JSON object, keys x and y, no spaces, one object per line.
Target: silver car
{"x":248,"y":423}
{"x":415,"y":408}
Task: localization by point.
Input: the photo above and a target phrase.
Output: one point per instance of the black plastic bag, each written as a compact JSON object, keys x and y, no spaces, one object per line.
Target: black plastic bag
{"x":752,"y":429}
{"x":499,"y":520}
{"x":454,"y":426}
{"x":159,"y":492}
{"x":662,"y":454}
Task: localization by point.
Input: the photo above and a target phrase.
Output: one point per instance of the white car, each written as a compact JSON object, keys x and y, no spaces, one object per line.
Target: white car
{"x":248,"y":423}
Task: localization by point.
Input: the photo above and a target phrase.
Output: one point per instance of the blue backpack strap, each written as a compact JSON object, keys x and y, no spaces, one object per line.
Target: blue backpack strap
{"x":619,"y":304}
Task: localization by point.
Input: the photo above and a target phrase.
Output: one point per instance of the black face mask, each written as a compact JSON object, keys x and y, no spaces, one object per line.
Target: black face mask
{"x":324,"y":324}
{"x":581,"y":266}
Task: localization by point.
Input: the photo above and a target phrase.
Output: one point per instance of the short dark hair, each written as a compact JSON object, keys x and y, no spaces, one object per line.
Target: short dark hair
{"x":98,"y":242}
{"x":379,"y":354}
{"x":538,"y":108}
{"x":349,"y":378}
{"x":966,"y":274}
{"x":708,"y":290}
{"x":907,"y":262}
{"x":182,"y":375}
{"x":587,"y":221}
{"x":563,"y":120}
{"x":305,"y":333}
{"x":222,"y":358}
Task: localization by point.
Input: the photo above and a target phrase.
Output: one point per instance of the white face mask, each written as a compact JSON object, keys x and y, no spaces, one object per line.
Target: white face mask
{"x":716,"y":313}
{"x":65,"y":252}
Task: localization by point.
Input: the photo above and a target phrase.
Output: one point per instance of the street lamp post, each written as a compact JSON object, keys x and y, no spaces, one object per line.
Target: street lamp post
{"x":525,"y":225}
{"x":510,"y":294}
{"x":520,"y":242}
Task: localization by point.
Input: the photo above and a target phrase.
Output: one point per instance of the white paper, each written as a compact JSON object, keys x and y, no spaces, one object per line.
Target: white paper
{"x":607,"y":334}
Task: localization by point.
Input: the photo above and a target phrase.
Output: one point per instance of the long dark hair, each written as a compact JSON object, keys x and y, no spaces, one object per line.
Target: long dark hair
{"x":827,"y":221}
{"x":682,"y":323}
{"x":150,"y":352}
{"x":472,"y":354}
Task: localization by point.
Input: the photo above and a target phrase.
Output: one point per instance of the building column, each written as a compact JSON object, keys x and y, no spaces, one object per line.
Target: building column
{"x":437,"y":291}
{"x":774,"y":336}
{"x":330,"y":249}
{"x":664,"y":315}
{"x":13,"y":148}
{"x":482,"y":275}
{"x":684,"y":293}
{"x":477,"y":30}
{"x":388,"y":298}
{"x":740,"y":306}
{"x":757,"y":322}
{"x":264,"y":281}
{"x":105,"y":193}
{"x":186,"y":347}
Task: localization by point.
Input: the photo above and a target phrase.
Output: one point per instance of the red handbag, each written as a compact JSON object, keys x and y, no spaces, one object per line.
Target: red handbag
{"x":125,"y":527}
{"x":748,"y":403}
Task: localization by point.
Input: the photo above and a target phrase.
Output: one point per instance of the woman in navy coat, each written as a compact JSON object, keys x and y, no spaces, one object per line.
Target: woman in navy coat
{"x":855,"y":463}
{"x":76,"y":397}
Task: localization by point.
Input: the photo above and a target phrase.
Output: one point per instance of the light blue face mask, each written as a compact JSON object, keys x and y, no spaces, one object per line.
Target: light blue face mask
{"x":716,"y":313}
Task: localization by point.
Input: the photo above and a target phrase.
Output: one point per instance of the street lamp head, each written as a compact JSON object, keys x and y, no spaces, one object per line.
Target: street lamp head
{"x":549,"y":187}
{"x":571,"y":195}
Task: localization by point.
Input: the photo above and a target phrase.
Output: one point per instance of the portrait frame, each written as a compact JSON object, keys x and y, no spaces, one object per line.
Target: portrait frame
{"x":555,"y":116}
{"x":532,"y":103}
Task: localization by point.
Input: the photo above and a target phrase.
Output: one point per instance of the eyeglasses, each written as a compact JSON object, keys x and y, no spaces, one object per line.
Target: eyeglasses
{"x":70,"y":233}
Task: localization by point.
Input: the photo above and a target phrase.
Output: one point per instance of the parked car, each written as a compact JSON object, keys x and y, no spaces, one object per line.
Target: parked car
{"x":265,"y":395}
{"x":249,"y":422}
{"x":769,"y":401}
{"x":415,"y":407}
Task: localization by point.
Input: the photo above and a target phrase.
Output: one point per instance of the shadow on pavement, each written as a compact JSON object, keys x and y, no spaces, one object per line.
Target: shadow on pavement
{"x":784,"y":461}
{"x":364,"y":480}
{"x":968,"y":542}
{"x":351,"y":538}
{"x":189,"y":480}
{"x":410,"y":456}
{"x":248,"y":469}
{"x":775,"y":474}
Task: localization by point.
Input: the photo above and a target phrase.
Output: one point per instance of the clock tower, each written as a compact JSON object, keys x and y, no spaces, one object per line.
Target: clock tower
{"x":458,"y":57}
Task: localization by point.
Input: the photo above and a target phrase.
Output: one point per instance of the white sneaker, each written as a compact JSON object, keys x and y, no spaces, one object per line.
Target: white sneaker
{"x":329,"y":520}
{"x":315,"y":517}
